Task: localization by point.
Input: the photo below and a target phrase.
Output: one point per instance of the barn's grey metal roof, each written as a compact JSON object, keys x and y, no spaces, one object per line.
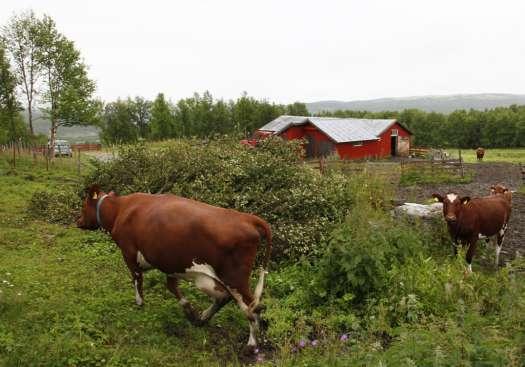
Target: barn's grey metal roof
{"x":341,"y":130}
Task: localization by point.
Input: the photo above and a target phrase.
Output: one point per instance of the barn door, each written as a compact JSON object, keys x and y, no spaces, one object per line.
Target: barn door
{"x":310,"y":147}
{"x":393,"y":146}
{"x":325,"y":148}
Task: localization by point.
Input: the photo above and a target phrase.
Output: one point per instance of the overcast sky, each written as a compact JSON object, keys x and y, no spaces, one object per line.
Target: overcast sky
{"x":287,"y":51}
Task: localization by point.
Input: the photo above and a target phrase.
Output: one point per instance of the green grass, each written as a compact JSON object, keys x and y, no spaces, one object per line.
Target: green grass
{"x":514,"y":155}
{"x":424,"y":176}
{"x":67,"y":294}
{"x":66,"y":300}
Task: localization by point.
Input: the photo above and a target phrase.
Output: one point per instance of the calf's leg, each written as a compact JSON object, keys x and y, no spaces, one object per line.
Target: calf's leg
{"x":499,"y":242}
{"x":473,"y":243}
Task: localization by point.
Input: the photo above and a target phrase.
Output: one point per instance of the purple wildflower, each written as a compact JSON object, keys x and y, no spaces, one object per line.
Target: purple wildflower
{"x":314,"y":342}
{"x":302,"y":343}
{"x":256,"y":351}
{"x":344,"y":337}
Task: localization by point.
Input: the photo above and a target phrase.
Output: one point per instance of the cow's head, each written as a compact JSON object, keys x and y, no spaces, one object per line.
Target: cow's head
{"x":452,"y":205}
{"x":498,"y":189}
{"x":88,"y":213}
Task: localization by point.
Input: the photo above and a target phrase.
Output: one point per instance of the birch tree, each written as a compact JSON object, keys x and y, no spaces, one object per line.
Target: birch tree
{"x":20,"y":37}
{"x":67,"y":91}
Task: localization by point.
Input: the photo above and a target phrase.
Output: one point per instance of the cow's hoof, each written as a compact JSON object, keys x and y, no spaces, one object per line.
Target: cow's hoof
{"x":198,"y":322}
{"x":260,"y":308}
{"x":192,"y":315}
{"x":249,"y":350}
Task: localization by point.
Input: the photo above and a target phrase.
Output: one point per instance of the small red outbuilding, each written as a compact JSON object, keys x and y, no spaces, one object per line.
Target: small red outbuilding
{"x":350,"y":138}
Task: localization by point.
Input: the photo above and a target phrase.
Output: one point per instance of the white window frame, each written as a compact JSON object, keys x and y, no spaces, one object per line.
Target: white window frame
{"x":395,"y":132}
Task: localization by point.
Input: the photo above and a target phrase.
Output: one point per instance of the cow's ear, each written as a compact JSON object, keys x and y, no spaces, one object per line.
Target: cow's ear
{"x":93,"y":192}
{"x":438,"y":197}
{"x":465,"y":199}
{"x":492,"y":189}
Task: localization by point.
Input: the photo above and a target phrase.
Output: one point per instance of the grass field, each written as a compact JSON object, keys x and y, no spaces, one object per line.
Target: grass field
{"x":514,"y":155}
{"x":66,"y":299}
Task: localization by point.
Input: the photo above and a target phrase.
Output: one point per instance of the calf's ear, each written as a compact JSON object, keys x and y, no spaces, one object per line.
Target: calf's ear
{"x":438,"y":197}
{"x":492,"y":189}
{"x":465,"y":199}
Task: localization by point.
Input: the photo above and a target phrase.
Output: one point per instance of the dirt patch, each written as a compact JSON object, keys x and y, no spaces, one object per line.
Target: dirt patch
{"x":485,"y":175}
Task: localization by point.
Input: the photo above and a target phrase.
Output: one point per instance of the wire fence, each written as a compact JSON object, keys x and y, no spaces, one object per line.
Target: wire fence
{"x":39,"y":155}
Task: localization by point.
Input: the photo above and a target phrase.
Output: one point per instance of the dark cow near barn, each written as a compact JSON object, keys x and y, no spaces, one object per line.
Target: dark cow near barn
{"x":480,"y":153}
{"x":213,"y":247}
{"x":471,"y":219}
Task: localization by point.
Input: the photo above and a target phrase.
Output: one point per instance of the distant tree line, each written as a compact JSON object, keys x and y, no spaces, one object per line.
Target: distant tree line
{"x":501,"y":127}
{"x":200,"y":116}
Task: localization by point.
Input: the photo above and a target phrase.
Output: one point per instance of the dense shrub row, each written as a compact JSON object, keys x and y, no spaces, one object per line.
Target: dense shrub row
{"x":270,"y":181}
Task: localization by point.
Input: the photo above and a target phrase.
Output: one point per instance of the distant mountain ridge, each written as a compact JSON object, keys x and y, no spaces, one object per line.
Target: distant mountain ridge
{"x":444,"y":104}
{"x":73,"y":134}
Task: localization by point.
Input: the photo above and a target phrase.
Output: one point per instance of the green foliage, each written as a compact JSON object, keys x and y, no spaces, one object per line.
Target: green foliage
{"x":118,"y":126}
{"x":423,"y":176}
{"x":55,"y":206}
{"x":359,"y":255}
{"x":162,"y":122}
{"x":201,"y":116}
{"x":300,"y":204}
{"x":11,"y":124}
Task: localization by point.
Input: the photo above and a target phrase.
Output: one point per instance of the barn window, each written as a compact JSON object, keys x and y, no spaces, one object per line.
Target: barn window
{"x":357,"y":143}
{"x":395,"y":132}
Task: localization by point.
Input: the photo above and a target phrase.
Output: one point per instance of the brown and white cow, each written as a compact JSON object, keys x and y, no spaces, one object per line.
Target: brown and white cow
{"x":480,"y":153}
{"x":471,"y":219}
{"x":215,"y":248}
{"x":500,"y":189}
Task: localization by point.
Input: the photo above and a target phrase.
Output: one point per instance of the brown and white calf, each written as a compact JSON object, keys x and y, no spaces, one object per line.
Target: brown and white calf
{"x":471,"y":219}
{"x":215,"y":248}
{"x":500,"y":189}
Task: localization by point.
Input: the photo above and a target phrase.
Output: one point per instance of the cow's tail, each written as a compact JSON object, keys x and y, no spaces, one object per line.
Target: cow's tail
{"x":264,"y":229}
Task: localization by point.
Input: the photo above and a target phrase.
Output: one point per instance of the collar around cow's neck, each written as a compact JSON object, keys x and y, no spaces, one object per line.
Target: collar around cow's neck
{"x":99,"y":203}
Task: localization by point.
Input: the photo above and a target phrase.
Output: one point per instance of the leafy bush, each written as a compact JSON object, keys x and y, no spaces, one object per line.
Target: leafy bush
{"x":57,"y":206}
{"x":360,"y":253}
{"x":300,"y":204}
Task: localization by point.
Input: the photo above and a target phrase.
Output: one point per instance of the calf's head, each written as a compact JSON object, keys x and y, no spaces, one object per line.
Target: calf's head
{"x":498,"y":189}
{"x":452,"y":205}
{"x":88,"y":213}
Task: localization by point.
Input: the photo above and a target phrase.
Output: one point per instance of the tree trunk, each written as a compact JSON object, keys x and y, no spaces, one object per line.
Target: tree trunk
{"x":30,"y":116}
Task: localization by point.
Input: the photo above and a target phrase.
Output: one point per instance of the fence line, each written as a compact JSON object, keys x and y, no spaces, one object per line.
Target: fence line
{"x":13,"y":151}
{"x":385,"y":168}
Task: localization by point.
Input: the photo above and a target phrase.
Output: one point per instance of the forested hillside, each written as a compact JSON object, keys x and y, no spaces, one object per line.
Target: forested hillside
{"x":444,"y":104}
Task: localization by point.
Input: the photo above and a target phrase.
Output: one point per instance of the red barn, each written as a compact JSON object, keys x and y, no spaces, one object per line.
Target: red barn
{"x":350,"y":138}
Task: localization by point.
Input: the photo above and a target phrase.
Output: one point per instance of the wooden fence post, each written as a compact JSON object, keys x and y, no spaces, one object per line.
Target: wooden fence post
{"x":14,"y":156}
{"x":78,"y":161}
{"x":461,"y":164}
